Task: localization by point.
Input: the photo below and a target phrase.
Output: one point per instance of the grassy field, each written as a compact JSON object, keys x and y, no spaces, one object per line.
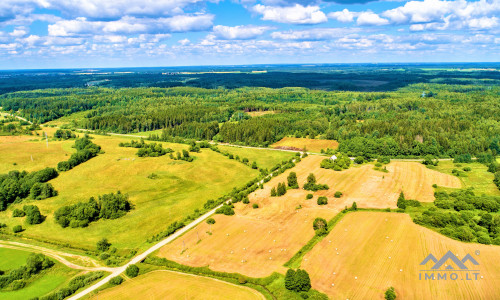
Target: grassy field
{"x":30,"y":153}
{"x":257,"y":242}
{"x":265,"y":158}
{"x":478,"y":178}
{"x":41,"y":284}
{"x":171,"y":285}
{"x":312,"y":145}
{"x":11,"y":259}
{"x":367,"y":252}
{"x":180,"y":188}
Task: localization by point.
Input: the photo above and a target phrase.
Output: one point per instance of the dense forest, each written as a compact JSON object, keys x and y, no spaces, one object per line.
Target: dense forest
{"x":330,"y":77}
{"x":418,"y":120}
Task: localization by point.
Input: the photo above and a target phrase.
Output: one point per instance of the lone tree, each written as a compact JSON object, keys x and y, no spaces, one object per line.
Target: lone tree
{"x":281,"y":189}
{"x":390,"y":294}
{"x":132,"y":271}
{"x":292,"y":180}
{"x":103,"y":245}
{"x":354,"y":206}
{"x":401,"y":201}
{"x":273,"y":192}
{"x":320,"y":226}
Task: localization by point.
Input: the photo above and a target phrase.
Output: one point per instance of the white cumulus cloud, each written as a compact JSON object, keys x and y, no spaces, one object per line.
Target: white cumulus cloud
{"x":370,"y":18}
{"x":296,"y":14}
{"x":242,"y":32}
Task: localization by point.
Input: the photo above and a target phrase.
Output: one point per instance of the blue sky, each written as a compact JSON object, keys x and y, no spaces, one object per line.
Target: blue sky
{"x":134,"y":33}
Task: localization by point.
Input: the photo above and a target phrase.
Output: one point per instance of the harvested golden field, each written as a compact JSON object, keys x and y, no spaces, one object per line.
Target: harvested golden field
{"x":172,"y":285}
{"x":30,"y":153}
{"x":260,"y":113}
{"x":371,"y":188}
{"x":257,"y":242}
{"x":367,"y":252}
{"x":312,"y":145}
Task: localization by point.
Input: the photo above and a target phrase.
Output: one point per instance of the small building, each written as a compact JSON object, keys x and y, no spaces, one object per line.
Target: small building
{"x":334,"y":157}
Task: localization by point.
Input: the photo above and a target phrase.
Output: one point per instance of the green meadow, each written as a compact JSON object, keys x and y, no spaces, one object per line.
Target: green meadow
{"x":179,"y":189}
{"x":41,"y":284}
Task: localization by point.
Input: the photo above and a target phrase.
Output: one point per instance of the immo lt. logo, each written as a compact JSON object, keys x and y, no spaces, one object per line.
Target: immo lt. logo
{"x":450,"y":267}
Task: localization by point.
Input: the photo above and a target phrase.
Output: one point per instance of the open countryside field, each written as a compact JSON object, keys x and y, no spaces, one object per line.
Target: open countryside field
{"x":264,"y":158}
{"x":171,"y":285}
{"x":181,"y":187}
{"x":43,"y":283}
{"x":312,"y":145}
{"x":478,"y":178}
{"x":257,"y":242}
{"x":29,"y":153}
{"x":367,"y":252}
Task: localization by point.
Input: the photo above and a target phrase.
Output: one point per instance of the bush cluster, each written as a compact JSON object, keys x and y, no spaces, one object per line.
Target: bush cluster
{"x":16,"y":185}
{"x":85,"y":150}
{"x":109,"y":206}
{"x":340,"y":163}
{"x":297,"y":281}
{"x":74,"y":285}
{"x":311,"y":184}
{"x":35,"y":263}
{"x":464,"y":216}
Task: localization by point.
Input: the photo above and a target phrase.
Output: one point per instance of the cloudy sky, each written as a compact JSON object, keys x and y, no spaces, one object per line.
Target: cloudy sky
{"x":121,"y":33}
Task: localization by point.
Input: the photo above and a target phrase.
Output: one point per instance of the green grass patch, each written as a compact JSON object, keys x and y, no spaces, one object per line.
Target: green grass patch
{"x":265,"y":159}
{"x":478,"y":178}
{"x":40,"y":284}
{"x":11,"y":259}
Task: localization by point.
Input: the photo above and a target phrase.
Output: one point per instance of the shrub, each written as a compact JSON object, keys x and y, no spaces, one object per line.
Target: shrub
{"x":359,"y":160}
{"x":17,"y":228}
{"x":384,"y":160}
{"x":467,"y":169}
{"x":322,"y":200}
{"x":255,"y":205}
{"x":401,"y":201}
{"x":493,"y":167}
{"x":292,"y":180}
{"x":338,"y":194}
{"x":210,"y":221}
{"x":17,"y":213}
{"x":390,"y":294}
{"x":132,"y":271}
{"x":463,"y":158}
{"x":312,"y":186}
{"x":226,"y":210}
{"x":242,"y":279}
{"x":320,"y":226}
{"x":309,"y":196}
{"x":103,"y":245}
{"x":116,"y":280}
{"x":33,"y":215}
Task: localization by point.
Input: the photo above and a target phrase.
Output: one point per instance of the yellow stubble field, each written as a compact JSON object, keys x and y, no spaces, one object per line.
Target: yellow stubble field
{"x":368,"y":252}
{"x":257,"y":242}
{"x":171,"y":285}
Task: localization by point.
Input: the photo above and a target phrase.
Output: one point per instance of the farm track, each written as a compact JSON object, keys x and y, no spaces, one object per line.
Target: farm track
{"x":58,"y":255}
